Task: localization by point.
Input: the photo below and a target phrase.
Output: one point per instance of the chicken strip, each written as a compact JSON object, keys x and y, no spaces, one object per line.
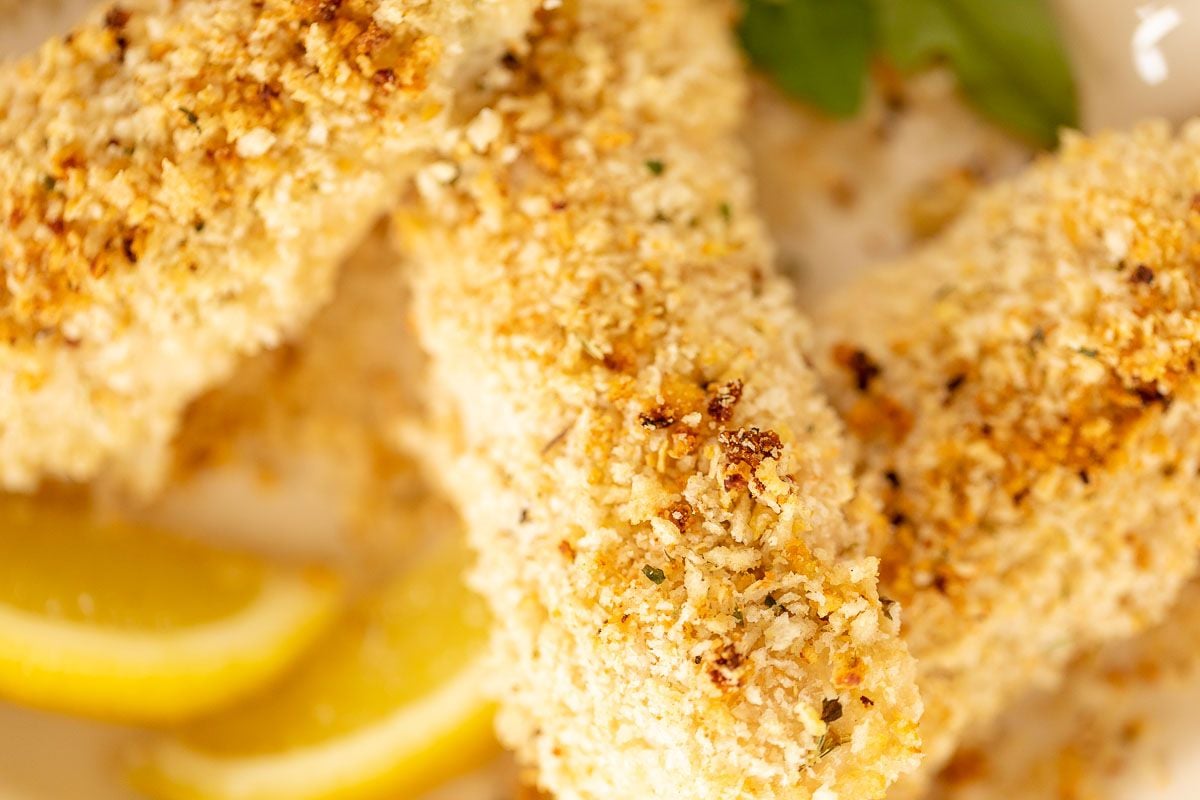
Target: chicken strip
{"x":293,"y":452}
{"x":1024,"y":396}
{"x":178,"y":181}
{"x":1121,"y":725}
{"x":655,"y":486}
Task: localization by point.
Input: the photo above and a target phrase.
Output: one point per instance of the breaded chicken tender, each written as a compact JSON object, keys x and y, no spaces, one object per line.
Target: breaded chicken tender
{"x":178,"y":181}
{"x":1024,"y":395}
{"x":654,"y":484}
{"x":294,"y":451}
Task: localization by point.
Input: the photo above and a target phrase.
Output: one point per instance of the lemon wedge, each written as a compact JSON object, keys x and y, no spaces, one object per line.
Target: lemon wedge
{"x":391,"y":703}
{"x":130,"y":625}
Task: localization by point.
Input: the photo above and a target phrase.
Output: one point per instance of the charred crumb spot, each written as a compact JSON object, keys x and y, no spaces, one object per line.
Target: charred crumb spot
{"x":117,"y":18}
{"x":697,"y":660}
{"x":831,"y":710}
{"x":1084,"y":477}
{"x":722,"y":404}
{"x":1020,"y":495}
{"x":893,"y":478}
{"x":866,"y":701}
{"x":566,"y":549}
{"x":657,"y":418}
{"x":727,"y":662}
{"x":510,"y":61}
{"x":897,"y":519}
{"x":385,"y":77}
{"x":769,"y":601}
{"x":860,"y":365}
{"x":524,"y":517}
{"x":940,"y":583}
{"x":1149,"y":394}
{"x":324,"y":10}
{"x":729,"y":657}
{"x":679,"y":514}
{"x":887,"y":603}
{"x":955,"y":383}
{"x":1143,"y":274}
{"x":127,"y":249}
{"x":750,"y":446}
{"x":559,"y":205}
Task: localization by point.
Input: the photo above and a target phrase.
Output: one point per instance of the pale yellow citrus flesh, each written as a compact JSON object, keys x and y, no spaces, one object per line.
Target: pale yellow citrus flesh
{"x":390,"y":703}
{"x":126,"y":624}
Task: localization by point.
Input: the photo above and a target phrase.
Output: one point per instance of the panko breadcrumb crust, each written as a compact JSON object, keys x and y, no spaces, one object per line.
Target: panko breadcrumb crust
{"x":179,"y":180}
{"x":654,"y":484}
{"x":1024,"y":396}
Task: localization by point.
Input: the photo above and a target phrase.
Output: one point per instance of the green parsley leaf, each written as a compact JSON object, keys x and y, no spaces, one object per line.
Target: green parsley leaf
{"x":818,"y":50}
{"x":656,"y":575}
{"x":1007,"y":55}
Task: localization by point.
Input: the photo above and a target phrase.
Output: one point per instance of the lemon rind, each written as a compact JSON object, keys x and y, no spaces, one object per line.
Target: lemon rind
{"x":161,"y":677}
{"x":421,"y":742}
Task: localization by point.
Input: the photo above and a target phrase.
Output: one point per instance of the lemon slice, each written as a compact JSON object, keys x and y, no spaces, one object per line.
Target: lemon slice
{"x":391,"y":703}
{"x":130,"y":625}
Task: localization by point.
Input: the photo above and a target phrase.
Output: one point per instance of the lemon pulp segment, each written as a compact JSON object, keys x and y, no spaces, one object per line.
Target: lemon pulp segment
{"x":127,"y":624}
{"x":391,"y":702}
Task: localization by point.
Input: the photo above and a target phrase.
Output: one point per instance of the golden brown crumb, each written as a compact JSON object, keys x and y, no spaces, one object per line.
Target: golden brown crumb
{"x":178,"y":182}
{"x":595,"y":293}
{"x":1039,"y":497}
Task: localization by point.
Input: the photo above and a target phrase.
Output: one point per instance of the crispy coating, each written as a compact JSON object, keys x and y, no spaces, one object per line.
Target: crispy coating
{"x":1120,"y":715}
{"x":294,"y":451}
{"x":1024,"y":397}
{"x":654,"y":485}
{"x":178,"y":181}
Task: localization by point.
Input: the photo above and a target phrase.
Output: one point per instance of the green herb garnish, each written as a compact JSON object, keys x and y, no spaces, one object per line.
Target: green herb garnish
{"x":656,"y":575}
{"x":190,"y":116}
{"x":741,"y":618}
{"x":656,"y":166}
{"x":1007,"y":54}
{"x":817,"y":50}
{"x":827,"y":744}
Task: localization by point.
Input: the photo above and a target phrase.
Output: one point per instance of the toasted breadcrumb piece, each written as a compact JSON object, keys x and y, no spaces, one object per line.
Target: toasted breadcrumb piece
{"x":1024,"y":393}
{"x":178,"y":181}
{"x":654,"y":485}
